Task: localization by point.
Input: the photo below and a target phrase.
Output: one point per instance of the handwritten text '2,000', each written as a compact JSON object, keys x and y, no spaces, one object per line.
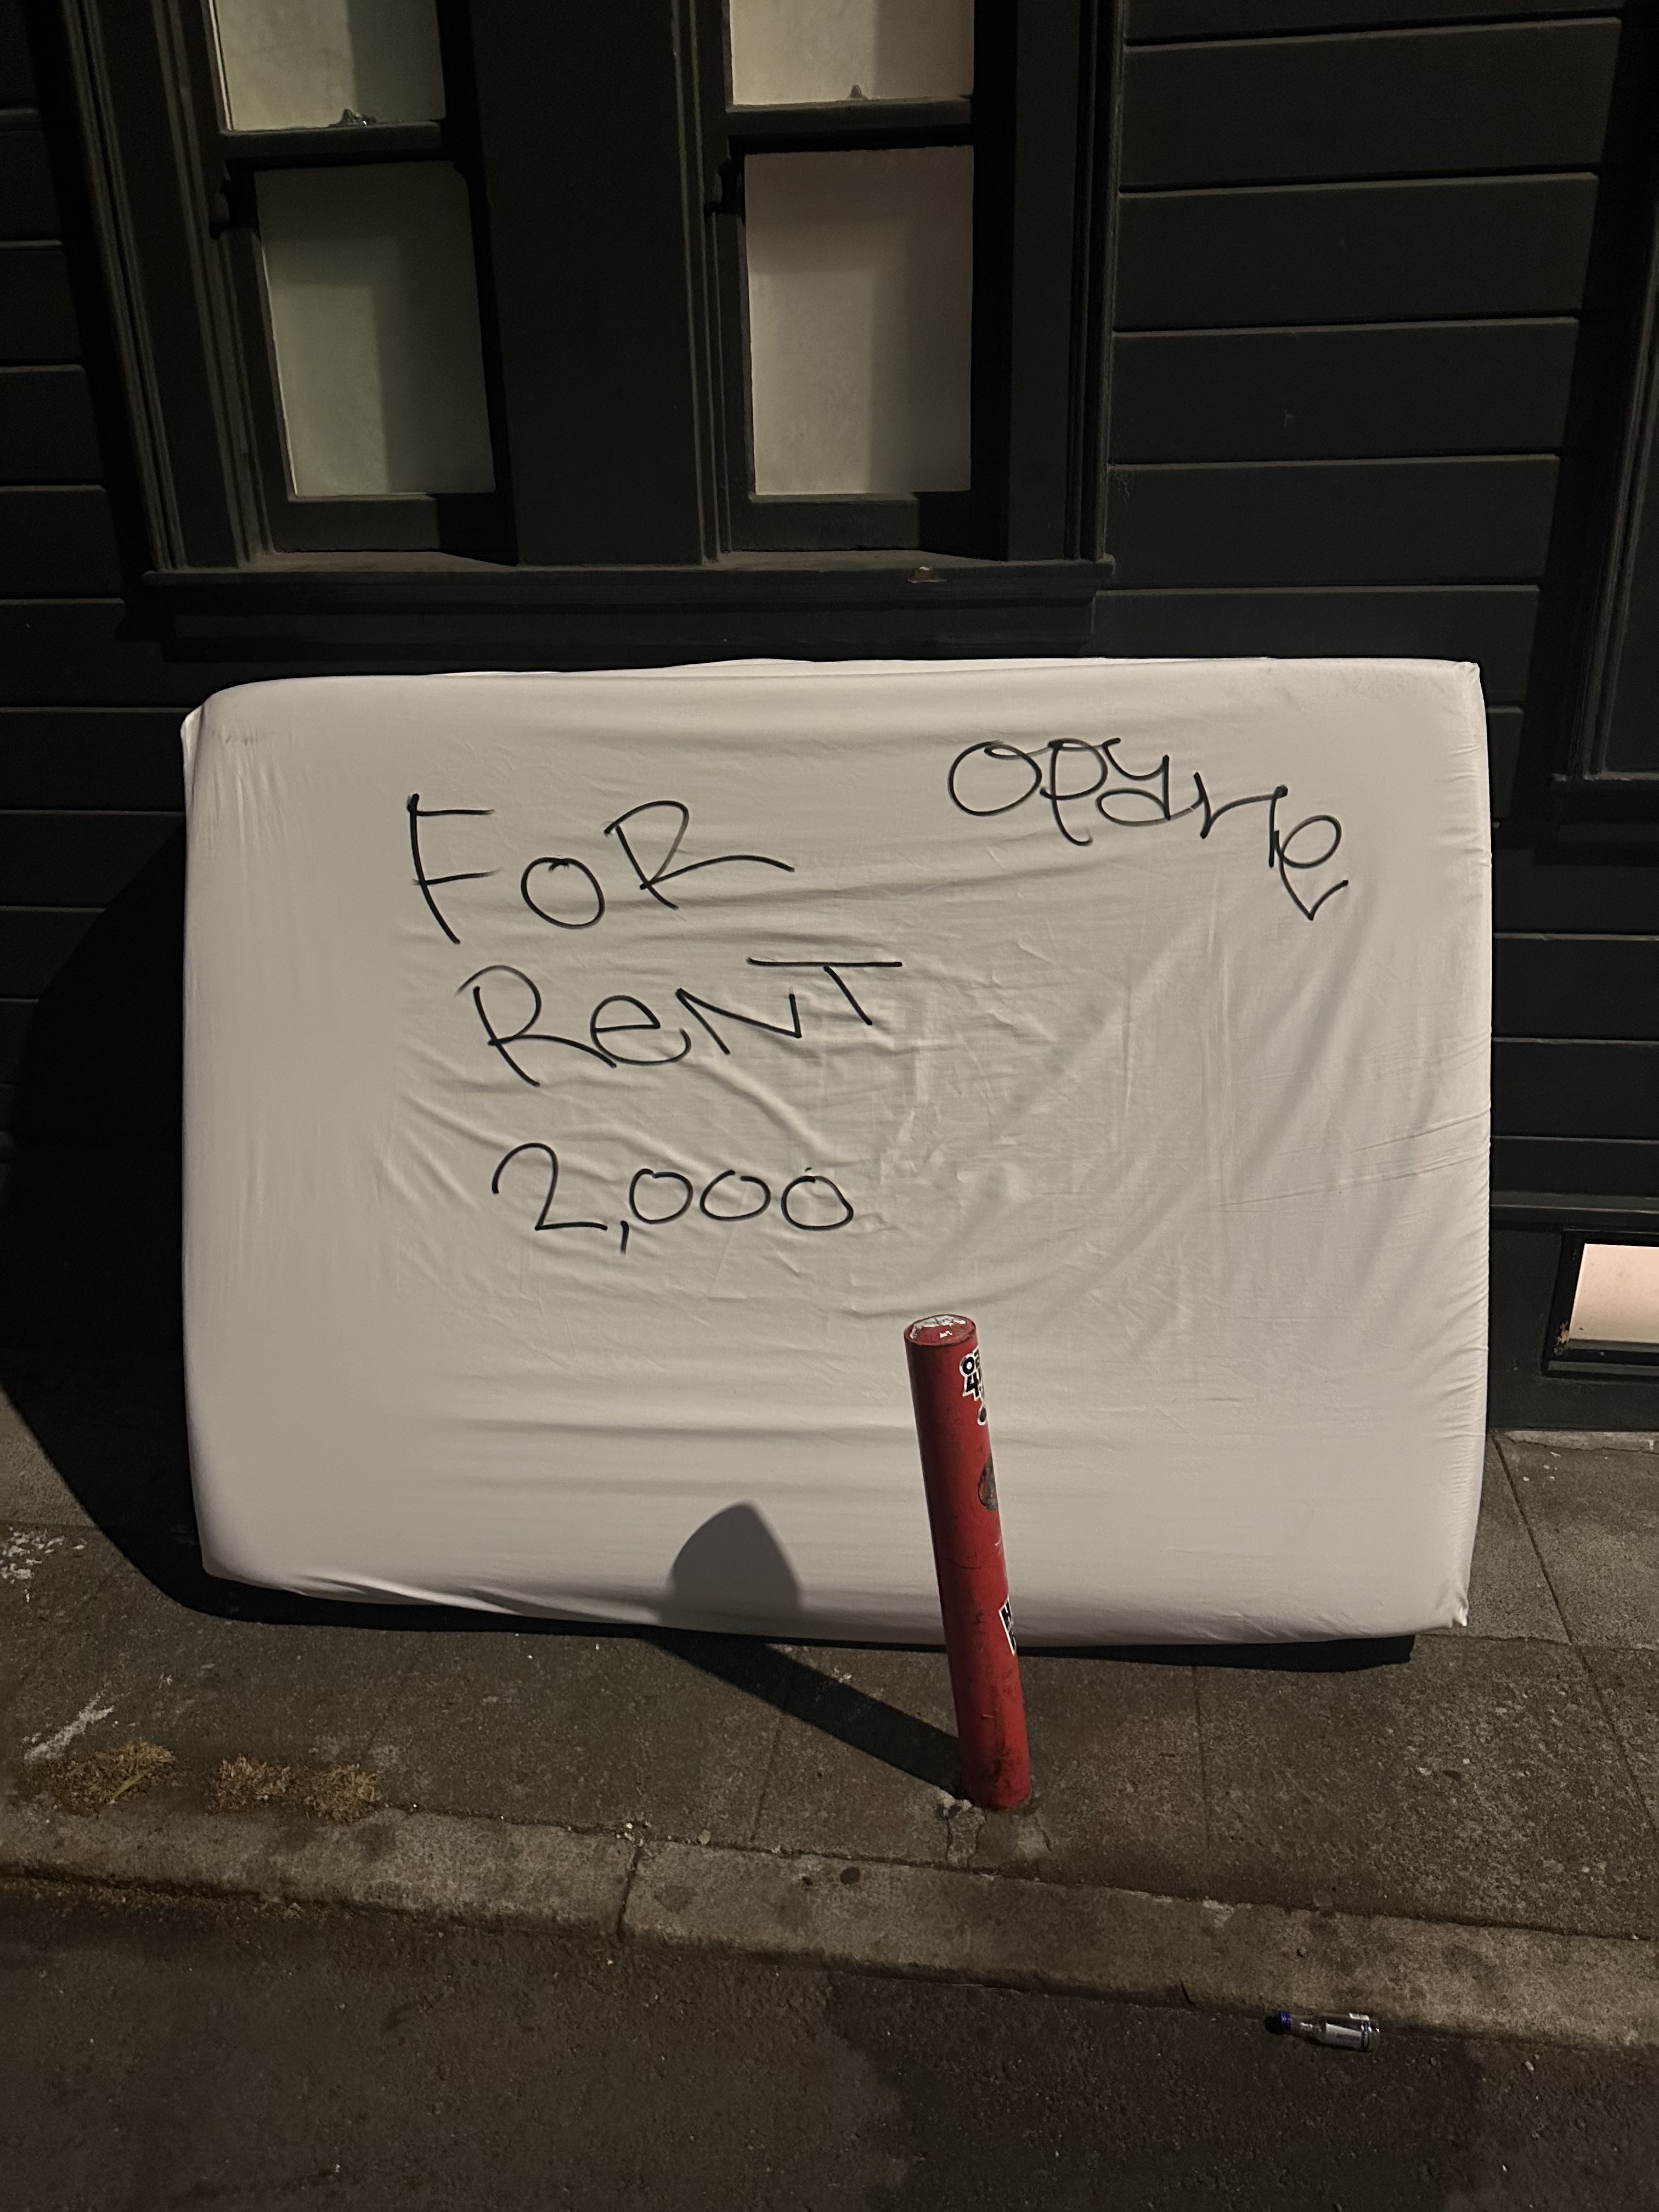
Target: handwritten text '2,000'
{"x":998,"y":777}
{"x":658,"y":1197}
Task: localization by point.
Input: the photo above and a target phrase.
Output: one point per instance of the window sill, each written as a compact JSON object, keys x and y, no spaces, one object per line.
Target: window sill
{"x":431,"y":612}
{"x":1606,"y":812}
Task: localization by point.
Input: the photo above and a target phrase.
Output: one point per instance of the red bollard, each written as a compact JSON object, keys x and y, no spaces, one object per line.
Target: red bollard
{"x":960,"y":1480}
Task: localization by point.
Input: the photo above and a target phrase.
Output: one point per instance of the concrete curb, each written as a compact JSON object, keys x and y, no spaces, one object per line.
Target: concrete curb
{"x":432,"y":1863}
{"x":1160,"y":1950}
{"x":875,"y":1917}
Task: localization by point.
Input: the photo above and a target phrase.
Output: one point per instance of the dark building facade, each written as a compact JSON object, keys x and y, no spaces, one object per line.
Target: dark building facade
{"x":1298,"y":327}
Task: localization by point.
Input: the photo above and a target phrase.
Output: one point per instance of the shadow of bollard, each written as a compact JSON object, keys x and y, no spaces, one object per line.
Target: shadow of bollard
{"x":732,"y":1579}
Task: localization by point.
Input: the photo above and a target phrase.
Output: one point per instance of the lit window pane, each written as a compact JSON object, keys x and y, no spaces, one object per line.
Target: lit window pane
{"x":374,"y":314}
{"x":289,"y":63}
{"x":792,"y":53}
{"x":861,"y":313}
{"x":1616,"y":1300}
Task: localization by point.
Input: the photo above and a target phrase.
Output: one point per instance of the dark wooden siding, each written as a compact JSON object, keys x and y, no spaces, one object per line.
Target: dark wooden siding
{"x":1352,"y":252}
{"x":1441,"y":521}
{"x":1288,"y":255}
{"x":1575,"y":1024}
{"x":1461,"y":100}
{"x":1353,"y":245}
{"x":1319,"y":395}
{"x":1233,"y":19}
{"x":90,"y":786}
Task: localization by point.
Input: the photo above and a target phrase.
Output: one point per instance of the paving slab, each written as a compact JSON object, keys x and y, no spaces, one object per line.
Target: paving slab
{"x":589,"y":1730}
{"x":1629,"y":1684}
{"x":46,"y":1575}
{"x":1509,"y":1592}
{"x":208,"y":1687}
{"x":1480,"y":1782}
{"x":1120,"y":1770}
{"x":1594,"y":1518}
{"x":865,"y":1758}
{"x":1502,"y":1775}
{"x":32,"y":1491}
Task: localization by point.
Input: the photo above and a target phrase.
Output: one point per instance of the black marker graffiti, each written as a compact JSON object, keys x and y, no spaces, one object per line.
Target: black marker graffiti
{"x":590,"y":894}
{"x":739,"y":1212}
{"x":1144,"y":791}
{"x":620,"y":1014}
{"x":699,"y":1009}
{"x":832,"y":969}
{"x":822,"y":1189}
{"x":597,"y":1028}
{"x":526,"y":1032}
{"x":418,"y":814}
{"x":563,"y":860}
{"x":659,"y":1197}
{"x":552,"y":1158}
{"x":659,"y":1175}
{"x":649,"y":878}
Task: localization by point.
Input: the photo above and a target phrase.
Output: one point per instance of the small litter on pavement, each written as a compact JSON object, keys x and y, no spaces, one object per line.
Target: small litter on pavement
{"x":1343,"y":2031}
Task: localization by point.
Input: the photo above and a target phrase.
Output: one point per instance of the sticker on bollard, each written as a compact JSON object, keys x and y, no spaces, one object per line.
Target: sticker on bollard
{"x":948,"y":1391}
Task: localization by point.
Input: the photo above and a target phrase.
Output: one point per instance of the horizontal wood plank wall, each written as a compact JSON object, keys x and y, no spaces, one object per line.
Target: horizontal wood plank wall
{"x":27,"y":208}
{"x":1352,"y":253}
{"x":1319,"y":395}
{"x":90,"y":780}
{"x":37,"y":315}
{"x":1427,"y":102}
{"x":1352,"y":248}
{"x":1345,"y":315}
{"x":1462,"y":521}
{"x":1237,"y":19}
{"x":1575,"y":1025}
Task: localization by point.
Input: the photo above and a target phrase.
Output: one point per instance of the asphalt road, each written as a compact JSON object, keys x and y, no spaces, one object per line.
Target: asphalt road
{"x":160,"y":2053}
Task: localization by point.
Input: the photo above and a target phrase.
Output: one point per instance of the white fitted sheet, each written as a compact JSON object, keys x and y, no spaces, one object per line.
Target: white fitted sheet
{"x":1193,"y":1120}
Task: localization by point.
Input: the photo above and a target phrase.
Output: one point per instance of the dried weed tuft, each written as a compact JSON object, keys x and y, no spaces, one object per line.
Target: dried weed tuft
{"x":342,"y":1793}
{"x":103,"y":1777}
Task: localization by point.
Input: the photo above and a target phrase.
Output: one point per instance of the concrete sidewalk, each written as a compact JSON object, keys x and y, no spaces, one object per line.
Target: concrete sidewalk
{"x":1469,"y":1826}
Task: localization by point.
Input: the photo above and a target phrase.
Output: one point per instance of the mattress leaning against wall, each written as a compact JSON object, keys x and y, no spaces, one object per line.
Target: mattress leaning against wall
{"x":588,"y":1076}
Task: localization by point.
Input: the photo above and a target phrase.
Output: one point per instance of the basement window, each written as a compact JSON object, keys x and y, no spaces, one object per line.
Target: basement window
{"x":1608,"y":1307}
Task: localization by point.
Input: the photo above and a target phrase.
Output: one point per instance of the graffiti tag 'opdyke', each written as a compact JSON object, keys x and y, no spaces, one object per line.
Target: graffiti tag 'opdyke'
{"x":998,"y":777}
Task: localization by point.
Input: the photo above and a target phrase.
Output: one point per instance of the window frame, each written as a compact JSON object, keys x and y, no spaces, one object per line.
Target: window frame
{"x":1591,"y":1356}
{"x":478,"y":524}
{"x":965,"y":522}
{"x":586,"y":149}
{"x":1035,"y":121}
{"x":1603,"y":577}
{"x":1625,"y":608}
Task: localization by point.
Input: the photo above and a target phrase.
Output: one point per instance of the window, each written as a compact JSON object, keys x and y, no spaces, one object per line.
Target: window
{"x":1605,"y":1315}
{"x":351,"y":247}
{"x":662,"y":285}
{"x":859,"y":174}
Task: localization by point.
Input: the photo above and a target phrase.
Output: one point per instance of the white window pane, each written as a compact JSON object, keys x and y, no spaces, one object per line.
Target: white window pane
{"x":1616,"y":1300}
{"x":288,"y":63}
{"x":860,"y":314}
{"x":791,"y":52}
{"x":374,"y":314}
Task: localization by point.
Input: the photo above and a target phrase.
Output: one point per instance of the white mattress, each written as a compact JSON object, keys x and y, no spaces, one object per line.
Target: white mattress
{"x":1178,"y":1087}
